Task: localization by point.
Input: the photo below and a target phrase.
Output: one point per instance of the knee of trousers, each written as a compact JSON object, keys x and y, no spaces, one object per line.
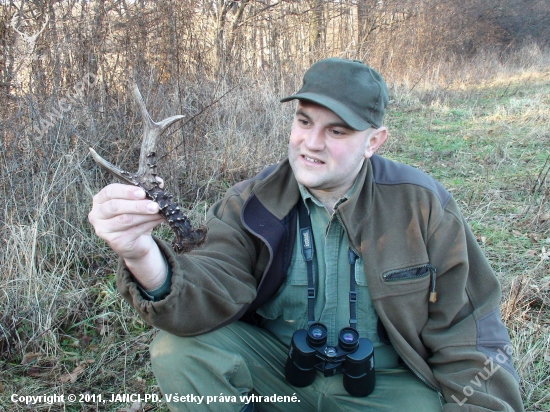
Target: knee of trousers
{"x":177,"y":362}
{"x":167,"y":349}
{"x":198,"y":363}
{"x":176,"y":355}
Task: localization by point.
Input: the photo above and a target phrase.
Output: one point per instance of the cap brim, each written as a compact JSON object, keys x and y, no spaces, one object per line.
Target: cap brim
{"x":342,"y":111}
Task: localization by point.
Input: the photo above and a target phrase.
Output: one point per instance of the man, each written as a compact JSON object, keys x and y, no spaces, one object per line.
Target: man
{"x":392,"y":256}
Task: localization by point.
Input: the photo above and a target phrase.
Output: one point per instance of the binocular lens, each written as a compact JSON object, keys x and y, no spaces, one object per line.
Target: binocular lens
{"x":349,"y":339}
{"x":317,"y":334}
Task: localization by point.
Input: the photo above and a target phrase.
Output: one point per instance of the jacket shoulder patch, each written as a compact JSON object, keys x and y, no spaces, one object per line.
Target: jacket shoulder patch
{"x":387,"y":172}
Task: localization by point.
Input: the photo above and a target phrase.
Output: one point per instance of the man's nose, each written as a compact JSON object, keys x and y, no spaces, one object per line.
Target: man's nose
{"x":315,"y":139}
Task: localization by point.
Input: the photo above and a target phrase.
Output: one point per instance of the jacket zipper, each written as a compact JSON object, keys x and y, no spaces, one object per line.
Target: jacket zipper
{"x":350,"y":244}
{"x":432,"y":299}
{"x":414,"y":371}
{"x":387,"y":276}
{"x":428,"y":384}
{"x":432,"y":273}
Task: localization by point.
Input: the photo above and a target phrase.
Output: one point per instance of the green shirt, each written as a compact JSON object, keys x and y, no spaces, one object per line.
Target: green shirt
{"x":286,"y":311}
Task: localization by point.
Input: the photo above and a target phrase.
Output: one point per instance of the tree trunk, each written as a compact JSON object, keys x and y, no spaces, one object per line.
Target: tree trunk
{"x":317,"y":30}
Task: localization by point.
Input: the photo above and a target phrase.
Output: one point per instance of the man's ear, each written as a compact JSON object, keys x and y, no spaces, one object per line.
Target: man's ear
{"x":376,"y":138}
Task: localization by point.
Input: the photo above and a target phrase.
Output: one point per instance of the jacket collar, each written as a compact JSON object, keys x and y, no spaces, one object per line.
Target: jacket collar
{"x":279,"y":193}
{"x":356,"y":210}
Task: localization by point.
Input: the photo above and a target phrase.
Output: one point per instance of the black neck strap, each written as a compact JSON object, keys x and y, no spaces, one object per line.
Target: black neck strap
{"x":308,"y":250}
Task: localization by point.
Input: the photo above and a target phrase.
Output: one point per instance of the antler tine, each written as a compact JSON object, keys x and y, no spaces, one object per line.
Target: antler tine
{"x":151,"y":132}
{"x":121,"y":174}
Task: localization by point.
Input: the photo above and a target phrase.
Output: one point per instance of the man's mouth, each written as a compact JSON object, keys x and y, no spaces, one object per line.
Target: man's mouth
{"x":311,"y":159}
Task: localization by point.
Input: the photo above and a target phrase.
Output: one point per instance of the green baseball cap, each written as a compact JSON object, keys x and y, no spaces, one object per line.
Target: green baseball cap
{"x":352,"y":90}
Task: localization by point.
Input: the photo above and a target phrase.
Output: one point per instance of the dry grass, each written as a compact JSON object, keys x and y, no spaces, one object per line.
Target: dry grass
{"x":481,"y":128}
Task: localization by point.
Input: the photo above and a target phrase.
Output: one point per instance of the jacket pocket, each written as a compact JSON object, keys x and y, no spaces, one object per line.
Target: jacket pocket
{"x":415,"y":279}
{"x":413,"y":273}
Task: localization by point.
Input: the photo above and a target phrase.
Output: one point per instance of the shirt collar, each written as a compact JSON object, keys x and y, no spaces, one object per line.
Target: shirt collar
{"x":306,"y":195}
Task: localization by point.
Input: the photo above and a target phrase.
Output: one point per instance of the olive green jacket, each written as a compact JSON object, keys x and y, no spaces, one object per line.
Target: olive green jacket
{"x":413,"y":241}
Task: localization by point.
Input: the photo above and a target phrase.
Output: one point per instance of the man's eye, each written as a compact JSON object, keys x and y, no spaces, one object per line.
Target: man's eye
{"x":303,"y":122}
{"x":337,"y":132}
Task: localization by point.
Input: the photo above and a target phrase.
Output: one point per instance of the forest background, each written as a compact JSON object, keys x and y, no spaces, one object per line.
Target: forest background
{"x":469,"y":83}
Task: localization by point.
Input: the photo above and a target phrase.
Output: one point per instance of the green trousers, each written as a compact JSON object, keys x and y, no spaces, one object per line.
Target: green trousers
{"x":223,"y":369}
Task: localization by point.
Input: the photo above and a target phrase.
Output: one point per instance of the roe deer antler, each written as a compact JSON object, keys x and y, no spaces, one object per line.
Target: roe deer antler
{"x":186,"y":238}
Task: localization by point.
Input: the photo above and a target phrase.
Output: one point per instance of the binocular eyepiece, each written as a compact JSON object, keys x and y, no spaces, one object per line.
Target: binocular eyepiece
{"x":353,"y":356}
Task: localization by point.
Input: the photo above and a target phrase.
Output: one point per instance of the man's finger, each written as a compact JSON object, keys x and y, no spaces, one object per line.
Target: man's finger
{"x":124,"y":225}
{"x":148,"y":225}
{"x":116,"y":207}
{"x":134,"y":223}
{"x":119,"y":191}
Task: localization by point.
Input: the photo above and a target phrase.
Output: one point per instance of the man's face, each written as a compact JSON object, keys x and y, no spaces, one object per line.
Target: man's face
{"x":324,"y":153}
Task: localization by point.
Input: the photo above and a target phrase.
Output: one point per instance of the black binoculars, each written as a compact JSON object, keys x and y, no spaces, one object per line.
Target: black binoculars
{"x":353,"y":356}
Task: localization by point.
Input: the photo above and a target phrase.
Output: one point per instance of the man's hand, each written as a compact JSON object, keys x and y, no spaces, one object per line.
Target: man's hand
{"x":124,"y":218}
